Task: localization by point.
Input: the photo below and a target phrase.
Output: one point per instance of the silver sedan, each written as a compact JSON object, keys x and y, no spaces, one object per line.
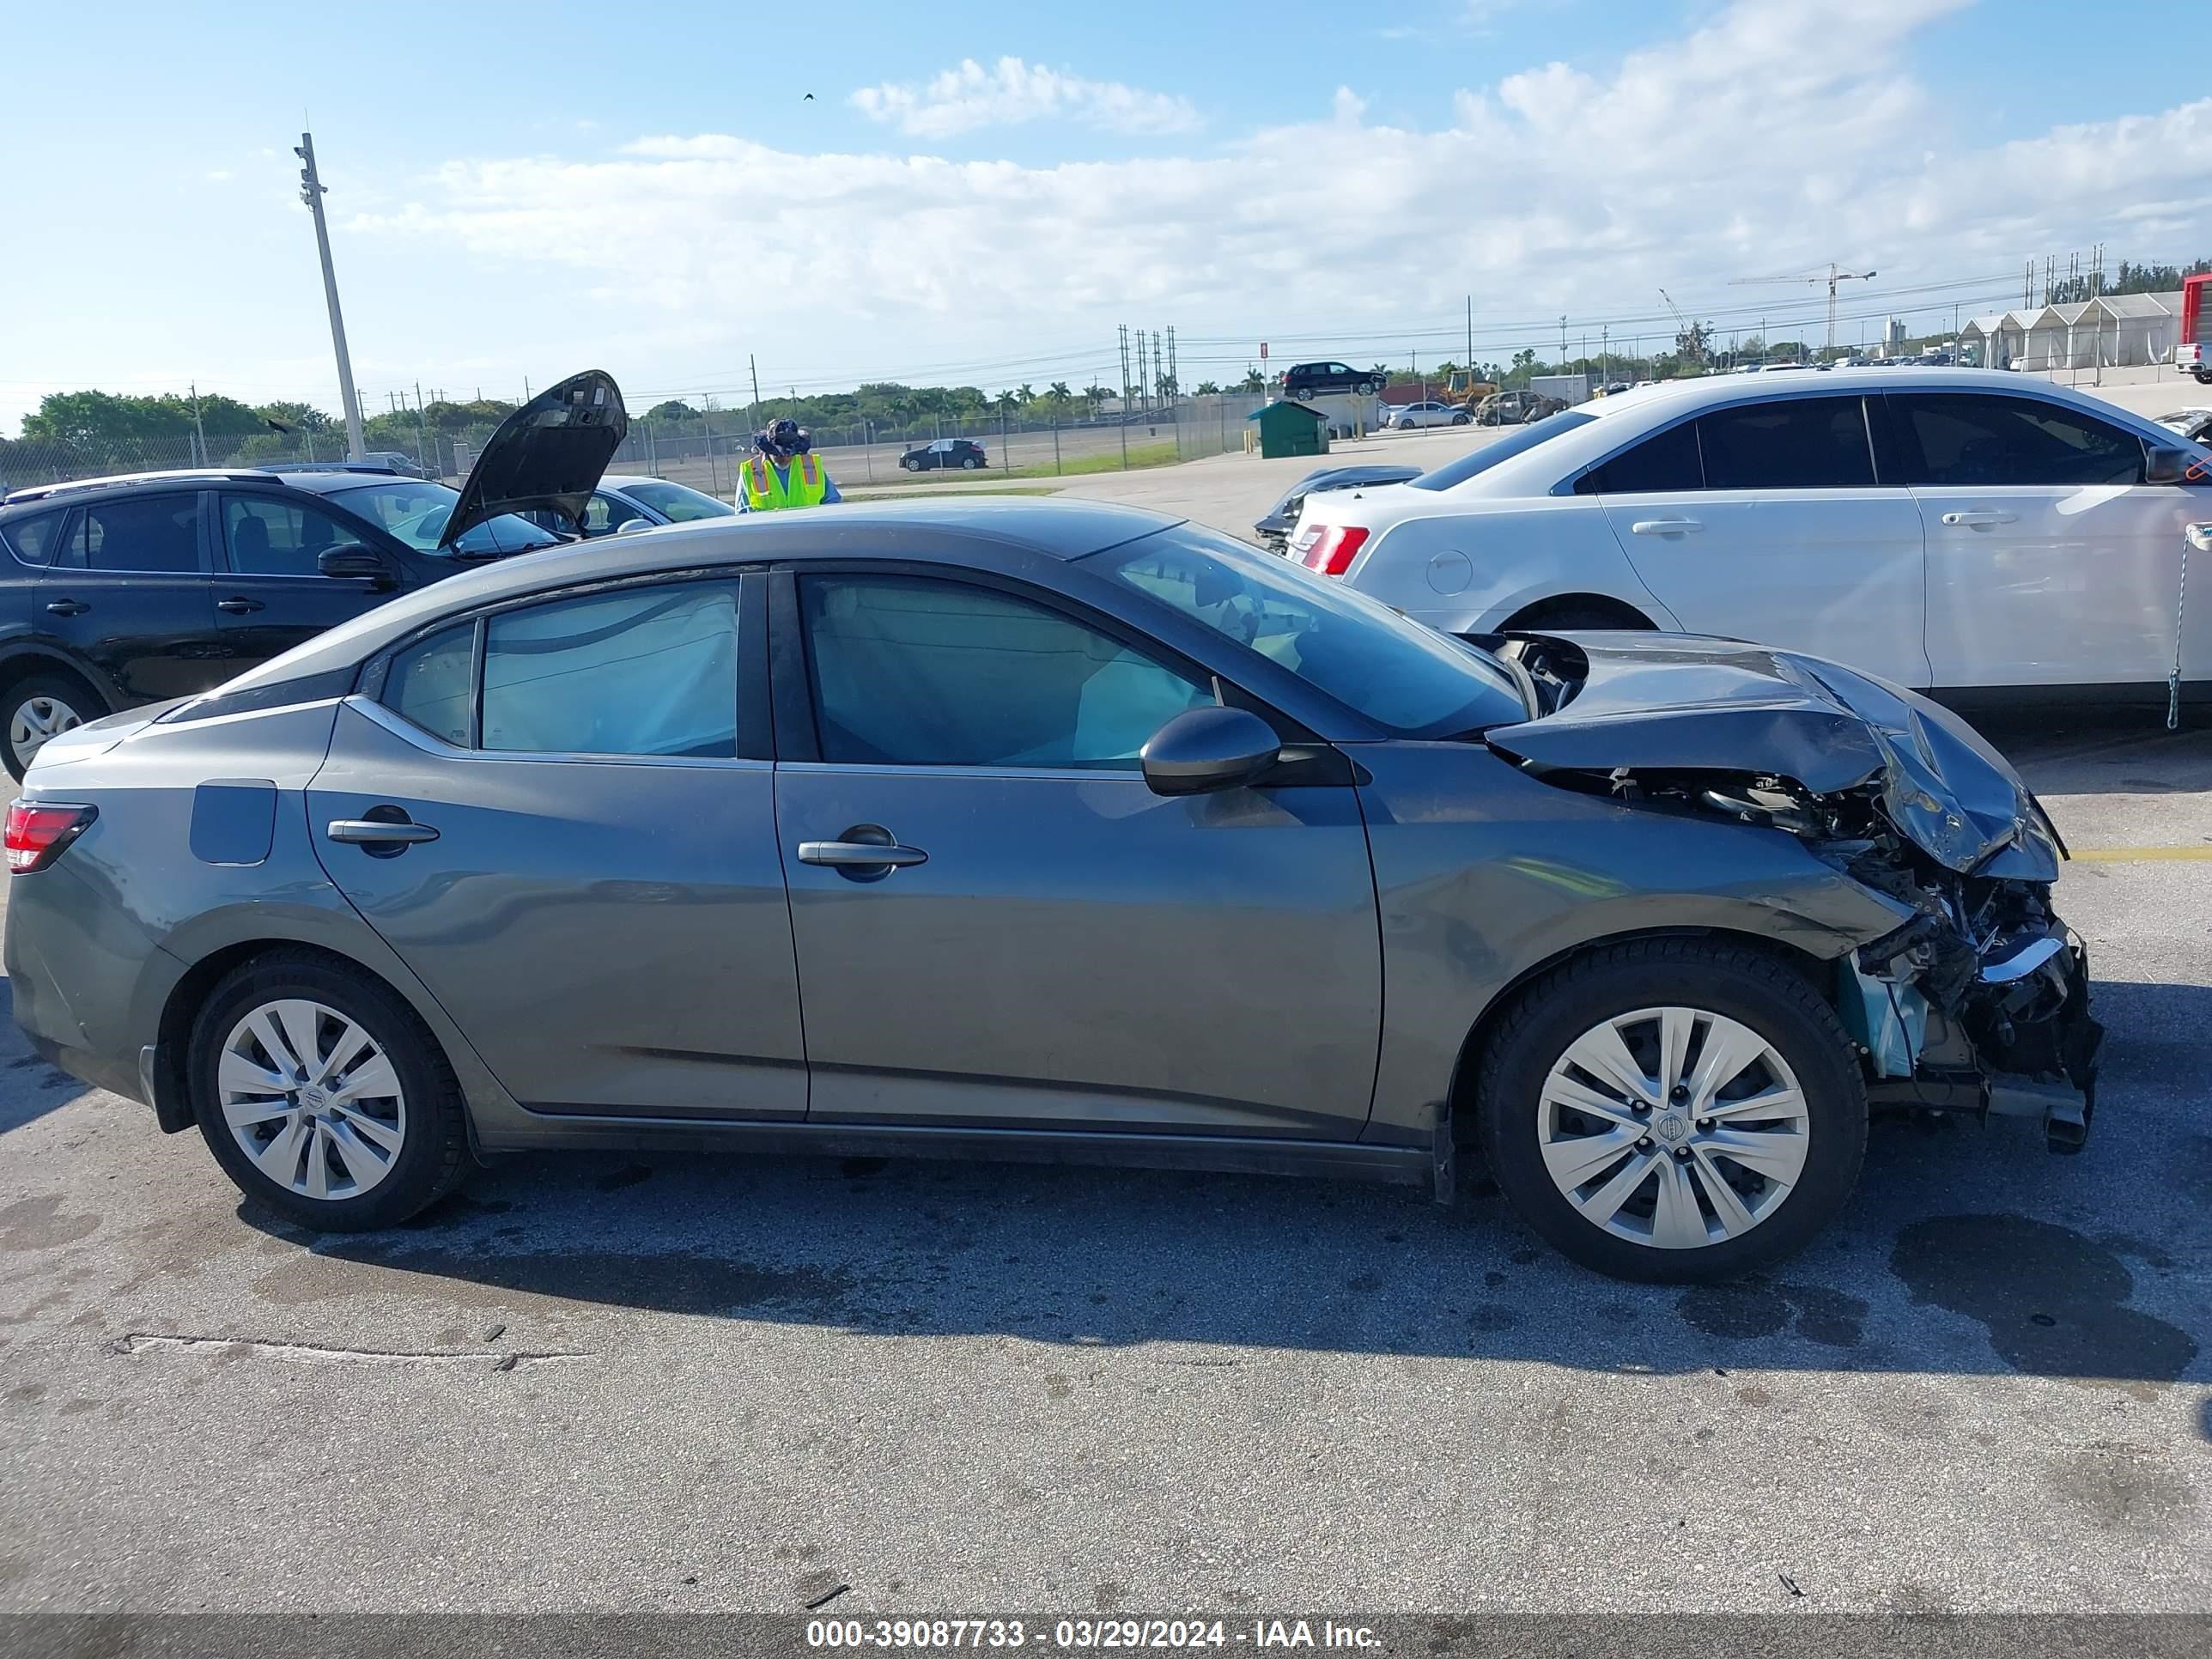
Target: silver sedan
{"x":1049,"y":831}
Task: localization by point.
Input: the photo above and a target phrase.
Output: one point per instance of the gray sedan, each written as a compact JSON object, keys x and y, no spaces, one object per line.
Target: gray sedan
{"x":1049,"y":831}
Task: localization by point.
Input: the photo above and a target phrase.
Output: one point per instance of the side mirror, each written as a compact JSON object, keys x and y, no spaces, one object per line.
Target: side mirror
{"x":2172,"y":467}
{"x":628,"y":524}
{"x":353,"y":559}
{"x":2199,"y":536}
{"x":1203,"y":750}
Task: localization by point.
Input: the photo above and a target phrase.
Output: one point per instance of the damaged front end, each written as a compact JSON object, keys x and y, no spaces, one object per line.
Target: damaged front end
{"x":1981,"y":1001}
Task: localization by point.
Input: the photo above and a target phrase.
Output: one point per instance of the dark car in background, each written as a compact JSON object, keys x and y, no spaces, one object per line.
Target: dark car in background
{"x":117,"y":591}
{"x":1275,"y":529}
{"x":1303,"y":380}
{"x":962,"y":452}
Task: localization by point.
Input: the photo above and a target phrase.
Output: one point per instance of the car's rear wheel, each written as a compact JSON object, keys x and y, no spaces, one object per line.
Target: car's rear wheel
{"x":1673,"y":1110}
{"x":969,"y":463}
{"x":40,"y":708}
{"x":323,"y":1096}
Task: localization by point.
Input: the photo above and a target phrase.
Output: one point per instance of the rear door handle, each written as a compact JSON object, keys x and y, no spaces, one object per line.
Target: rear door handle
{"x":1976,"y":520}
{"x":1664,"y":526}
{"x":365,"y":832}
{"x":238,"y":607}
{"x":68,"y":607}
{"x":848,"y":853}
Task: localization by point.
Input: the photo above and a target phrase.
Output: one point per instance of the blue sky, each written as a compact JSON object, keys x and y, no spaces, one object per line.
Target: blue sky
{"x":526,"y":189}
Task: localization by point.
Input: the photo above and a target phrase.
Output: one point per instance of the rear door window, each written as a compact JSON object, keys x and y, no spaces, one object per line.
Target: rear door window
{"x":147,"y":534}
{"x":1664,"y":461}
{"x":432,"y":684}
{"x":1792,"y":443}
{"x":1954,"y":439}
{"x":647,"y":671}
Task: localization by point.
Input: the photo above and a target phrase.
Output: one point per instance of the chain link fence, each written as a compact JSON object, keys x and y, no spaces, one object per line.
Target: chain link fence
{"x":26,"y":462}
{"x":705,"y":453}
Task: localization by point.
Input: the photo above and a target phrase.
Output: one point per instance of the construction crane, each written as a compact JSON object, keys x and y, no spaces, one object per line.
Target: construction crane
{"x":1690,"y":341}
{"x":1832,"y":275}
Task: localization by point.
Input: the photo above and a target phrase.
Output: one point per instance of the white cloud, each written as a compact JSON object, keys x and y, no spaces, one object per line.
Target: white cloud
{"x":1011,"y":91}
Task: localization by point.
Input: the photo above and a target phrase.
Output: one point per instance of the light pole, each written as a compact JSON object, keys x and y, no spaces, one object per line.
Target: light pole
{"x":311,"y":192}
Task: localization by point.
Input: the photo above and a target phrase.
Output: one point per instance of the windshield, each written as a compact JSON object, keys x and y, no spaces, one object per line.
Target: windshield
{"x":416,"y":511}
{"x":1407,"y":679}
{"x":1517,"y":442}
{"x":678,"y":503}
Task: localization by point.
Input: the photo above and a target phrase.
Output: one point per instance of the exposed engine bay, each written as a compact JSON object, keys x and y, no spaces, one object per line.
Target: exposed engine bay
{"x":1980,"y":1001}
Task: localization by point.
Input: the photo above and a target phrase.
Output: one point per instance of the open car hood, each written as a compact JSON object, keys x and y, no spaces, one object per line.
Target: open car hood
{"x":1685,"y":704}
{"x":549,"y":455}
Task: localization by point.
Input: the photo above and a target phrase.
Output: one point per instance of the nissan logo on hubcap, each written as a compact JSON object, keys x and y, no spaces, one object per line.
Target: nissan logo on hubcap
{"x":313,"y":1100}
{"x":1671,"y":1127}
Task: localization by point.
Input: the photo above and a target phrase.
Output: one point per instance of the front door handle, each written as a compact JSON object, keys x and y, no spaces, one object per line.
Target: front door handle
{"x":238,"y":607}
{"x":1980,"y":520}
{"x":859,"y":854}
{"x":68,"y":607}
{"x":1664,"y":526}
{"x":373,"y":832}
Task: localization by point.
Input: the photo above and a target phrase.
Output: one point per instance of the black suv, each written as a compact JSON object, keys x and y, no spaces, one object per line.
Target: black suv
{"x":1310,"y":380}
{"x":115,"y":592}
{"x":965,"y":452}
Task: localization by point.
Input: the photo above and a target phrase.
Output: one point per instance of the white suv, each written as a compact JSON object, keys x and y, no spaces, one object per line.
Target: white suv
{"x":1954,"y":530}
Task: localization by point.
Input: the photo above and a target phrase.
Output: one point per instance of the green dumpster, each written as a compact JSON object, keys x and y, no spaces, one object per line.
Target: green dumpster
{"x":1290,"y":428}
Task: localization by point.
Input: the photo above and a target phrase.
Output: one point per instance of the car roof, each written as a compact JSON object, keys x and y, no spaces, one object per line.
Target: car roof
{"x":325,"y":483}
{"x":70,"y":489}
{"x":1060,"y":528}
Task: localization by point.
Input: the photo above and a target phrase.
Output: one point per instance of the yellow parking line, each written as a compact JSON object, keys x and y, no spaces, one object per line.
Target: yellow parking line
{"x":2138,"y":854}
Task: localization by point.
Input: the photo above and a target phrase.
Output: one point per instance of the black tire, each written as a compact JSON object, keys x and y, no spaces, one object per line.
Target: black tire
{"x":1777,"y":1002}
{"x":1458,"y":420}
{"x":911,"y":466}
{"x":2202,"y":377}
{"x":1366,"y":388}
{"x":54,"y":687}
{"x":433,"y":1156}
{"x":1574,"y":616}
{"x":968,"y":464}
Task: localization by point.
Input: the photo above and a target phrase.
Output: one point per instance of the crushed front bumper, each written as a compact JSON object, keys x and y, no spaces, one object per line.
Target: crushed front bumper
{"x":2003,"y":1031}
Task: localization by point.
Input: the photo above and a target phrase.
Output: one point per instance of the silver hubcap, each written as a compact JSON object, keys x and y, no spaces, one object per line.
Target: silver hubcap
{"x":1674,"y":1127}
{"x":311,"y":1099}
{"x":36,"y":721}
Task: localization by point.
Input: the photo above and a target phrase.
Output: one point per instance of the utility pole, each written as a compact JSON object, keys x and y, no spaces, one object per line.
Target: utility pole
{"x":1604,"y":354}
{"x":421,"y":443}
{"x":1563,"y":345}
{"x":198,"y":430}
{"x":753,"y":368}
{"x":1469,"y":364}
{"x":311,"y":192}
{"x":1123,"y":422}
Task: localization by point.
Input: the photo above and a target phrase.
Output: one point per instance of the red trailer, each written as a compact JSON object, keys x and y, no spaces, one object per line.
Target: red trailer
{"x":2194,"y":354}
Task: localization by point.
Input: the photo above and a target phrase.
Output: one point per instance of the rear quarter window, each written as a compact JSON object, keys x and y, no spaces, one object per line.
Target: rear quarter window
{"x":33,"y":538}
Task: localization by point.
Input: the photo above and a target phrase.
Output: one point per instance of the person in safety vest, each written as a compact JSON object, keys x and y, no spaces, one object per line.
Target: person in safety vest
{"x":782,"y":472}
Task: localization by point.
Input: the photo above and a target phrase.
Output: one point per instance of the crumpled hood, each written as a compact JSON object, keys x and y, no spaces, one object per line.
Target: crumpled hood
{"x":1687,"y":703}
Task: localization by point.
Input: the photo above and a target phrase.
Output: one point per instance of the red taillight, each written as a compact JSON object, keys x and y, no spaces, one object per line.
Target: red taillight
{"x":1334,"y":549}
{"x":37,"y":833}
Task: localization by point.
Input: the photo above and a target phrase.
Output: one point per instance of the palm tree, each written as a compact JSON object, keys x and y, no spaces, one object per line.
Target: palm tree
{"x":1097,"y":394}
{"x":1207,"y":389}
{"x":1254,"y":380}
{"x":1026,"y":396}
{"x":1059,"y":393}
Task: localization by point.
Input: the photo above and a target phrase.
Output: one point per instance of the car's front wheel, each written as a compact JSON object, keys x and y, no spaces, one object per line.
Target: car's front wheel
{"x":1673,"y":1110}
{"x":1458,"y":420}
{"x":323,"y":1096}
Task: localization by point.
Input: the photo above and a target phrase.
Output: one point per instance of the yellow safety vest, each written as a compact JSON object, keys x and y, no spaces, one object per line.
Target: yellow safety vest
{"x":800,"y":484}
